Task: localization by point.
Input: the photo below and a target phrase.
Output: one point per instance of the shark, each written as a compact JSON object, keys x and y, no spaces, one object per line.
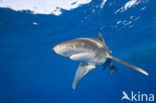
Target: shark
{"x":89,"y":52}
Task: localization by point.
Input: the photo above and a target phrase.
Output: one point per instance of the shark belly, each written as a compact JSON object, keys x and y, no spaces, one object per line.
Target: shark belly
{"x":88,"y":58}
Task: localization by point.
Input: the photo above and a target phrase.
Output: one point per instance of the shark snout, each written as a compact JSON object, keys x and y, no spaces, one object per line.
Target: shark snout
{"x":62,"y":49}
{"x":57,"y":49}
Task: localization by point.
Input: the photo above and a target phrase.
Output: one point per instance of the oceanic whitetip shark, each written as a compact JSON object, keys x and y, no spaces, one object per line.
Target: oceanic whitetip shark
{"x":89,"y":52}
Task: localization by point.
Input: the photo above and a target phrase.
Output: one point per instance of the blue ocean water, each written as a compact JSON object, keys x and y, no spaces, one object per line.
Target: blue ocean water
{"x":30,"y":72}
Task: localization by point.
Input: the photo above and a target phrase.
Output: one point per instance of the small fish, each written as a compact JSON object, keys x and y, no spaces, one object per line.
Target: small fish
{"x":89,"y":52}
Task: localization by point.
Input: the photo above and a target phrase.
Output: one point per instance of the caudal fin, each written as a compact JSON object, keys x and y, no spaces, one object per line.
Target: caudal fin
{"x":129,"y":65}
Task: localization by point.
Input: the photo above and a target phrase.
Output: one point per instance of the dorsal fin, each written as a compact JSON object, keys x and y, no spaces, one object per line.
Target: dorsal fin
{"x":100,"y":37}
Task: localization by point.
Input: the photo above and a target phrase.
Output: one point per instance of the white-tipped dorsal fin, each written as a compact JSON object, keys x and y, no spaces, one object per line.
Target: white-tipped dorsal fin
{"x":100,"y":37}
{"x":82,"y":70}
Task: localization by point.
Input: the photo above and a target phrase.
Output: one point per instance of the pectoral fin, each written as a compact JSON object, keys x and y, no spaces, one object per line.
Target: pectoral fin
{"x":82,"y":70}
{"x":129,"y":65}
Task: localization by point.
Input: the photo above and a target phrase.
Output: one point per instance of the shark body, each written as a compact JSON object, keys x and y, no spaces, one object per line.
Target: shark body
{"x":89,"y":52}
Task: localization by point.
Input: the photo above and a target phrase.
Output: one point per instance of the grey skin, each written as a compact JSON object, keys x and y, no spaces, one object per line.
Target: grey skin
{"x":89,"y":52}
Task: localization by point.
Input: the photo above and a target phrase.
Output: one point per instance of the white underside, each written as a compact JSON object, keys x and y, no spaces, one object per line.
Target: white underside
{"x":87,"y":58}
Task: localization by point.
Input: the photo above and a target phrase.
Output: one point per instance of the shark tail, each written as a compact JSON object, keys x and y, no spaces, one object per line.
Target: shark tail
{"x":129,"y":65}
